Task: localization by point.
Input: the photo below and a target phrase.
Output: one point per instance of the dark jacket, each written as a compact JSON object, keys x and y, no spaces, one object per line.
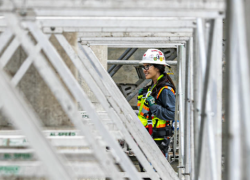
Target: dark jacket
{"x":165,"y":105}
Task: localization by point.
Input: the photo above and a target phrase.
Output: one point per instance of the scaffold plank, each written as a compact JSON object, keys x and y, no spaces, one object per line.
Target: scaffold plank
{"x":30,"y":126}
{"x":99,"y":94}
{"x":62,"y":141}
{"x":82,"y":98}
{"x":63,"y":98}
{"x":35,"y":169}
{"x":128,"y":116}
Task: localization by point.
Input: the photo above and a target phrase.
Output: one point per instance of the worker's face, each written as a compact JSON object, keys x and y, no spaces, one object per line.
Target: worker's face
{"x":150,"y":71}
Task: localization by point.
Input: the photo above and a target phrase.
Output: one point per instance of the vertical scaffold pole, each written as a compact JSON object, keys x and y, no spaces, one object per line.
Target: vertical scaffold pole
{"x":187,"y":111}
{"x":192,"y":155}
{"x":181,"y":113}
{"x":207,"y":112}
{"x":237,"y":99}
{"x":218,"y":77}
{"x":176,"y":108}
{"x":196,"y":92}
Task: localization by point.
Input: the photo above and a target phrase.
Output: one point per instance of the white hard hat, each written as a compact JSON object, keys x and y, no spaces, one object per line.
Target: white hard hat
{"x":153,"y":56}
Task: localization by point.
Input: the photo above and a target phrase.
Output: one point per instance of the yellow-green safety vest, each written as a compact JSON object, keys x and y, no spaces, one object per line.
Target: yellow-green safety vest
{"x":143,"y":107}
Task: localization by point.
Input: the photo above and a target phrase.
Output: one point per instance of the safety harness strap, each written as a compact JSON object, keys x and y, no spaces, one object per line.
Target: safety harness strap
{"x":165,"y":87}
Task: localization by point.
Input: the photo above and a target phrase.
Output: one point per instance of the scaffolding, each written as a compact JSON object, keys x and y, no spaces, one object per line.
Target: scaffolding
{"x":194,"y":28}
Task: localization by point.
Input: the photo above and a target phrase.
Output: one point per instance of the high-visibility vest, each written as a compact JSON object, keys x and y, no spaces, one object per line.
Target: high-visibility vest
{"x":143,"y":114}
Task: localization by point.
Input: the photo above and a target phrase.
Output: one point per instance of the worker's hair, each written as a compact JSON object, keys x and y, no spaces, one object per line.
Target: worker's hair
{"x":166,"y":78}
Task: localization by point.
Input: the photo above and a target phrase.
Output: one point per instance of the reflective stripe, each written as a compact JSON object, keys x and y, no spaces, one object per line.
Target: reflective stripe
{"x":146,"y":108}
{"x":159,"y":126}
{"x":158,"y":139}
{"x":142,"y":114}
{"x":173,"y":91}
{"x":144,"y":111}
{"x":165,"y":87}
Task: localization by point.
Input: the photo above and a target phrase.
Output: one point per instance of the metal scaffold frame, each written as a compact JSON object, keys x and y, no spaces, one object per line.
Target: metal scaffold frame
{"x":194,"y":28}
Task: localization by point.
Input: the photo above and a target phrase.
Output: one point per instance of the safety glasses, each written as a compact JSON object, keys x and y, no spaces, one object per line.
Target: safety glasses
{"x":146,"y":67}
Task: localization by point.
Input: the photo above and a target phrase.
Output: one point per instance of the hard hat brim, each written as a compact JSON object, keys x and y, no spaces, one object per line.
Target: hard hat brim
{"x":150,"y":62}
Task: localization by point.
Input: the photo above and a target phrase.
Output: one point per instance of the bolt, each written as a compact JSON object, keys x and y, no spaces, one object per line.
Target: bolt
{"x":180,"y":166}
{"x":23,"y":13}
{"x":52,"y":28}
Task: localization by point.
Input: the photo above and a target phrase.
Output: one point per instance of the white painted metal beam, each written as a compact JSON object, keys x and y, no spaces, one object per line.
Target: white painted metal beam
{"x":81,"y":97}
{"x":134,"y":39}
{"x":61,"y":94}
{"x":141,"y":45}
{"x":30,"y":126}
{"x":111,"y":23}
{"x":129,"y":118}
{"x":182,"y":12}
{"x":133,"y":44}
{"x":98,"y":91}
{"x":107,"y":4}
{"x":128,"y":34}
{"x":134,"y":62}
{"x":5,"y":38}
{"x":117,"y":30}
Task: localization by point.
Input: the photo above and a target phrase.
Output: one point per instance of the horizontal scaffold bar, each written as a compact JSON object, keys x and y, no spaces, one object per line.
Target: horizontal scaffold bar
{"x":125,"y":31}
{"x":133,"y":41}
{"x":147,"y":45}
{"x":134,"y":38}
{"x":62,"y":141}
{"x":133,"y":44}
{"x":170,"y":35}
{"x":134,"y":62}
{"x":35,"y":169}
{"x":122,"y":4}
{"x":111,"y":23}
{"x":141,"y":8}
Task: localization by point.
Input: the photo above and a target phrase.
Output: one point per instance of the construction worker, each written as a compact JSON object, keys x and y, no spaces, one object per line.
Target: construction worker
{"x":156,"y":102}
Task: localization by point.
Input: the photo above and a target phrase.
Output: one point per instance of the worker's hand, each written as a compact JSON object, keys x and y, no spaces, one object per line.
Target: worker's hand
{"x":150,"y":100}
{"x":140,"y":91}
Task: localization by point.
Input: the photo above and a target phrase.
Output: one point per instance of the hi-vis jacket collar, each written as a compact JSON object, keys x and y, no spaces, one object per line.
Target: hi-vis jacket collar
{"x":150,"y":91}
